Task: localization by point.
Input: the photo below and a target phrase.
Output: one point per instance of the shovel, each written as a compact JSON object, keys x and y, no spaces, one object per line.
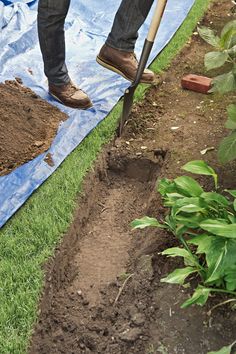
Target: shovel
{"x":129,"y":93}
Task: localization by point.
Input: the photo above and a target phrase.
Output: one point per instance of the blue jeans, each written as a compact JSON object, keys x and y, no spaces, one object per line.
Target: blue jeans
{"x":51,"y":18}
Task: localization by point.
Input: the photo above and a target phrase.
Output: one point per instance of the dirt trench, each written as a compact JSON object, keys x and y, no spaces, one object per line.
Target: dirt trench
{"x":94,"y":259}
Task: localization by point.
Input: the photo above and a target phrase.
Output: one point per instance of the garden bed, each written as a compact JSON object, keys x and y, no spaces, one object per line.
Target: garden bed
{"x":103,"y":292}
{"x":28,"y":125}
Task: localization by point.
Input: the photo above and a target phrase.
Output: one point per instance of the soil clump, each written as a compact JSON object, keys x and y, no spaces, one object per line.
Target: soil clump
{"x":28,"y":125}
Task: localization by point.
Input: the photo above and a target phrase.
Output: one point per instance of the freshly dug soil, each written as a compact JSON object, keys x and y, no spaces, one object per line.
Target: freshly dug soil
{"x":103,"y":292}
{"x":28,"y":125}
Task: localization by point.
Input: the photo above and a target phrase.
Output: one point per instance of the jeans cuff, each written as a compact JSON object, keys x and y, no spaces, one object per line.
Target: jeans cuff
{"x":124,"y":48}
{"x":59,"y":82}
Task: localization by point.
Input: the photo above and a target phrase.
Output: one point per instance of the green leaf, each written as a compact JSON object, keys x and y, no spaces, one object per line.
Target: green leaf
{"x":228,"y":35}
{"x":188,"y":205}
{"x":190,"y":208}
{"x":220,"y":257}
{"x":228,"y":41}
{"x":203,"y":242}
{"x":166,"y":186}
{"x":181,"y":230}
{"x":230,"y":125}
{"x":231,"y":110}
{"x":179,"y":252}
{"x":215,"y":60}
{"x":219,"y":228}
{"x":230,"y":279}
{"x":234,"y":69}
{"x":178,"y":276}
{"x":175,"y":196}
{"x":224,"y":350}
{"x":231,"y":122}
{"x":200,"y":167}
{"x":232,"y":218}
{"x":215,"y":197}
{"x":171,"y":198}
{"x":199,"y":297}
{"x":227,"y":149}
{"x":171,"y":222}
{"x":189,"y":186}
{"x":209,"y":36}
{"x":232,"y":51}
{"x":235,"y":204}
{"x":228,"y":26}
{"x":224,"y":83}
{"x":215,"y":260}
{"x":190,"y":221}
{"x":232,"y":192}
{"x":145,"y":222}
{"x":219,"y":254}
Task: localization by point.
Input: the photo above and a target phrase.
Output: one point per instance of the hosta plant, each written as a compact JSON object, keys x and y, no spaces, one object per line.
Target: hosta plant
{"x":227,"y":149}
{"x":204,"y":223}
{"x":224,"y":53}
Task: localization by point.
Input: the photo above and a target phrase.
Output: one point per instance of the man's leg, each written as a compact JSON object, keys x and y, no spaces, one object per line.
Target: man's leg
{"x":128,"y":20}
{"x":51,"y":20}
{"x":118,"y":52}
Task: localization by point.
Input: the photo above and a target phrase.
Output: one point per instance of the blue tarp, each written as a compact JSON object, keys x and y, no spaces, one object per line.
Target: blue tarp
{"x":87,"y":25}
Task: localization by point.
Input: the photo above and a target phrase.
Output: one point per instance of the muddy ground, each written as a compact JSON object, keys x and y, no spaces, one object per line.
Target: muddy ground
{"x":103,"y":292}
{"x":28,"y":125}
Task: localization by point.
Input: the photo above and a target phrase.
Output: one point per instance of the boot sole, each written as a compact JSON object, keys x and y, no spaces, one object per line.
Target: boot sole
{"x":75,"y":107}
{"x":117,"y":71}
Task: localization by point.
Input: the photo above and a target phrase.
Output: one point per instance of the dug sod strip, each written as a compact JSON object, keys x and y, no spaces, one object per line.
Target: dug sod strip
{"x":28,"y":125}
{"x":103,"y":292}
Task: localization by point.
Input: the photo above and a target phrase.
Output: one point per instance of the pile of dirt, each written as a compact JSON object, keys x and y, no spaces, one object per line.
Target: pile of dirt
{"x":103,"y":293}
{"x":28,"y":125}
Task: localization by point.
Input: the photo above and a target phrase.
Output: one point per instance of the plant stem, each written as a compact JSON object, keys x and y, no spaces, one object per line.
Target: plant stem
{"x":223,"y":291}
{"x":195,"y":259}
{"x":216,"y":181}
{"x":221,"y":304}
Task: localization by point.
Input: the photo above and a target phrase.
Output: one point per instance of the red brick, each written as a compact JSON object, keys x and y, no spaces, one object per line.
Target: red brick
{"x":196,"y":83}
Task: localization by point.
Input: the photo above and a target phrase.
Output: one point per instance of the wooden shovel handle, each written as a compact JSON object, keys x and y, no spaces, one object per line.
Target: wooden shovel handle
{"x":156,"y":20}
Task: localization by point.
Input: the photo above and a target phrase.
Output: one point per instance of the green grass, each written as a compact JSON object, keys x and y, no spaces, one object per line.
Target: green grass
{"x":30,"y":237}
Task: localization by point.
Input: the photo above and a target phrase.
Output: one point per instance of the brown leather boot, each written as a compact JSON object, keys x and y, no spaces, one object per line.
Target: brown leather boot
{"x":70,"y":95}
{"x":123,"y":63}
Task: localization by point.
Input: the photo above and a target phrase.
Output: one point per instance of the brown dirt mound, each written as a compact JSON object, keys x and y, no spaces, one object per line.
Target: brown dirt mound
{"x":28,"y":125}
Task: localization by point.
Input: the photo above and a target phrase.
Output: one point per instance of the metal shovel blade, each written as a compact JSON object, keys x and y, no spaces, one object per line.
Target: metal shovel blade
{"x":129,"y":93}
{"x":127,"y":106}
